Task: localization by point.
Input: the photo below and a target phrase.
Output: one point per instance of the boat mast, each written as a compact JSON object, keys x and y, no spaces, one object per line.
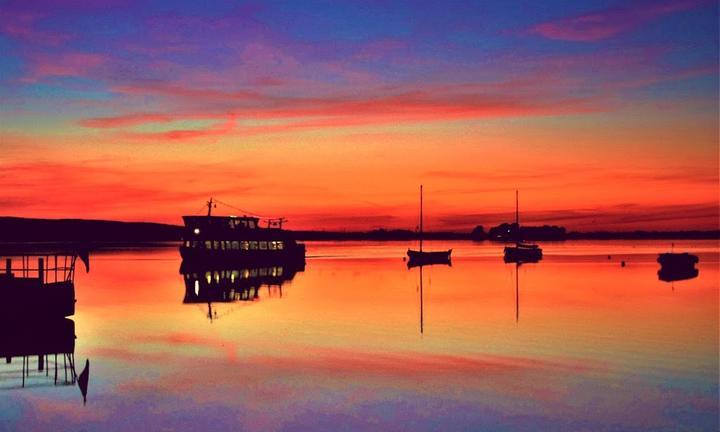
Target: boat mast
{"x":210,"y":205}
{"x":517,"y":217}
{"x":421,"y":217}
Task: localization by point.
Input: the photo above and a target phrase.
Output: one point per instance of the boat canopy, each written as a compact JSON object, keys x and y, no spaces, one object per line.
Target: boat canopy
{"x":229,"y":221}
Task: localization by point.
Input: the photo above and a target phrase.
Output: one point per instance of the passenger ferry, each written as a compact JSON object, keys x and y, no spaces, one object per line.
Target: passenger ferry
{"x":230,"y":238}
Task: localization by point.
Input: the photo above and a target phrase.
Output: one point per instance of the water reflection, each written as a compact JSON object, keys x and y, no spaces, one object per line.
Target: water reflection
{"x":517,"y":290}
{"x":222,"y":283}
{"x":669,"y":275}
{"x":345,"y":351}
{"x":42,"y":346}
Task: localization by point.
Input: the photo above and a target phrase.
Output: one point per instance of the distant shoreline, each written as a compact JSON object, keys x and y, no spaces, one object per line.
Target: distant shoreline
{"x":26,"y":230}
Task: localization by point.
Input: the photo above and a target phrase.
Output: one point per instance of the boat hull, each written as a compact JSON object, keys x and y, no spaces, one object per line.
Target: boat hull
{"x":418,"y":258}
{"x":515,"y":254}
{"x":677,"y":260}
{"x":20,"y":297}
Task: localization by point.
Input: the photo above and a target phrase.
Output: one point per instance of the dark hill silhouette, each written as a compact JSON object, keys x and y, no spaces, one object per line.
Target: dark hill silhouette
{"x":15,"y":229}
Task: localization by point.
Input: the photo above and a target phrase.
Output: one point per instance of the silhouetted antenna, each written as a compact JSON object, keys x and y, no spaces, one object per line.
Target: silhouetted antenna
{"x":210,"y":206}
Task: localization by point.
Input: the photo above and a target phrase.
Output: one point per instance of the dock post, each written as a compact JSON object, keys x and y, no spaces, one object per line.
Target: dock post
{"x":8,"y":266}
{"x":41,"y":270}
{"x":41,"y":362}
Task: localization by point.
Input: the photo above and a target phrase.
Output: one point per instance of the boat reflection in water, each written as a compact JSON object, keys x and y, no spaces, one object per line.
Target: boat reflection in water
{"x":210,"y":283}
{"x":666,"y":274}
{"x":46,"y":346}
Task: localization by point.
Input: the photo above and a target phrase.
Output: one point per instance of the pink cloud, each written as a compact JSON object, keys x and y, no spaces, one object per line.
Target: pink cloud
{"x":124,"y":120}
{"x":71,"y":64}
{"x":432,"y":104}
{"x":217,"y":129}
{"x":607,"y":23}
{"x":23,"y":26}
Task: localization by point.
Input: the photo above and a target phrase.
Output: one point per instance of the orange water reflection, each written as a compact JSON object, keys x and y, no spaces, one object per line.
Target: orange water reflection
{"x":582,"y":344}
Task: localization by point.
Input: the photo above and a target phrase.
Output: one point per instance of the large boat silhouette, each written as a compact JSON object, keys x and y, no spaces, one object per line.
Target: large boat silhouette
{"x":214,"y":239}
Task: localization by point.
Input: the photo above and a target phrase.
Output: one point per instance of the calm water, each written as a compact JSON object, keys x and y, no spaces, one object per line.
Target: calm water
{"x":349,"y":344}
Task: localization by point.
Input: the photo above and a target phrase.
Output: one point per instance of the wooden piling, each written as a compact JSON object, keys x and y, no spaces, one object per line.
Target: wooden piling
{"x":41,"y":270}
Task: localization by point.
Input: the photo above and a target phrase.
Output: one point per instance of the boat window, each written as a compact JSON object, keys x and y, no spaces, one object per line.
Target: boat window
{"x":273,"y":245}
{"x":216,"y":245}
{"x":236,"y":245}
{"x":263,"y":245}
{"x":187,"y":243}
{"x":245,"y":245}
{"x":208,"y":244}
{"x":253,"y":245}
{"x":252,"y":224}
{"x":280,"y":244}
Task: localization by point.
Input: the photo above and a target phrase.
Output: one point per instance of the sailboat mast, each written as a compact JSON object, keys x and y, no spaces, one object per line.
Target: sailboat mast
{"x":421,"y":217}
{"x":517,"y":209}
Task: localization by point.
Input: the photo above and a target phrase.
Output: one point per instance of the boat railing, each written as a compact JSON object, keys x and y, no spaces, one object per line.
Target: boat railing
{"x":47,"y":268}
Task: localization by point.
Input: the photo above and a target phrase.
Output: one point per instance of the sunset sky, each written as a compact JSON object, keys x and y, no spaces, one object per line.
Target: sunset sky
{"x":604,"y":114}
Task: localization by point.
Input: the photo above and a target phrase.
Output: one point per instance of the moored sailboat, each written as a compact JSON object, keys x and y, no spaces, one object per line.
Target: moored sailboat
{"x":522,"y":251}
{"x":421,"y":257}
{"x":677,"y":266}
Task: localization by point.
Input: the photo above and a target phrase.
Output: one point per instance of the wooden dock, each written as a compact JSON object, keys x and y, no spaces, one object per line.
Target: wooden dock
{"x":37,"y":286}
